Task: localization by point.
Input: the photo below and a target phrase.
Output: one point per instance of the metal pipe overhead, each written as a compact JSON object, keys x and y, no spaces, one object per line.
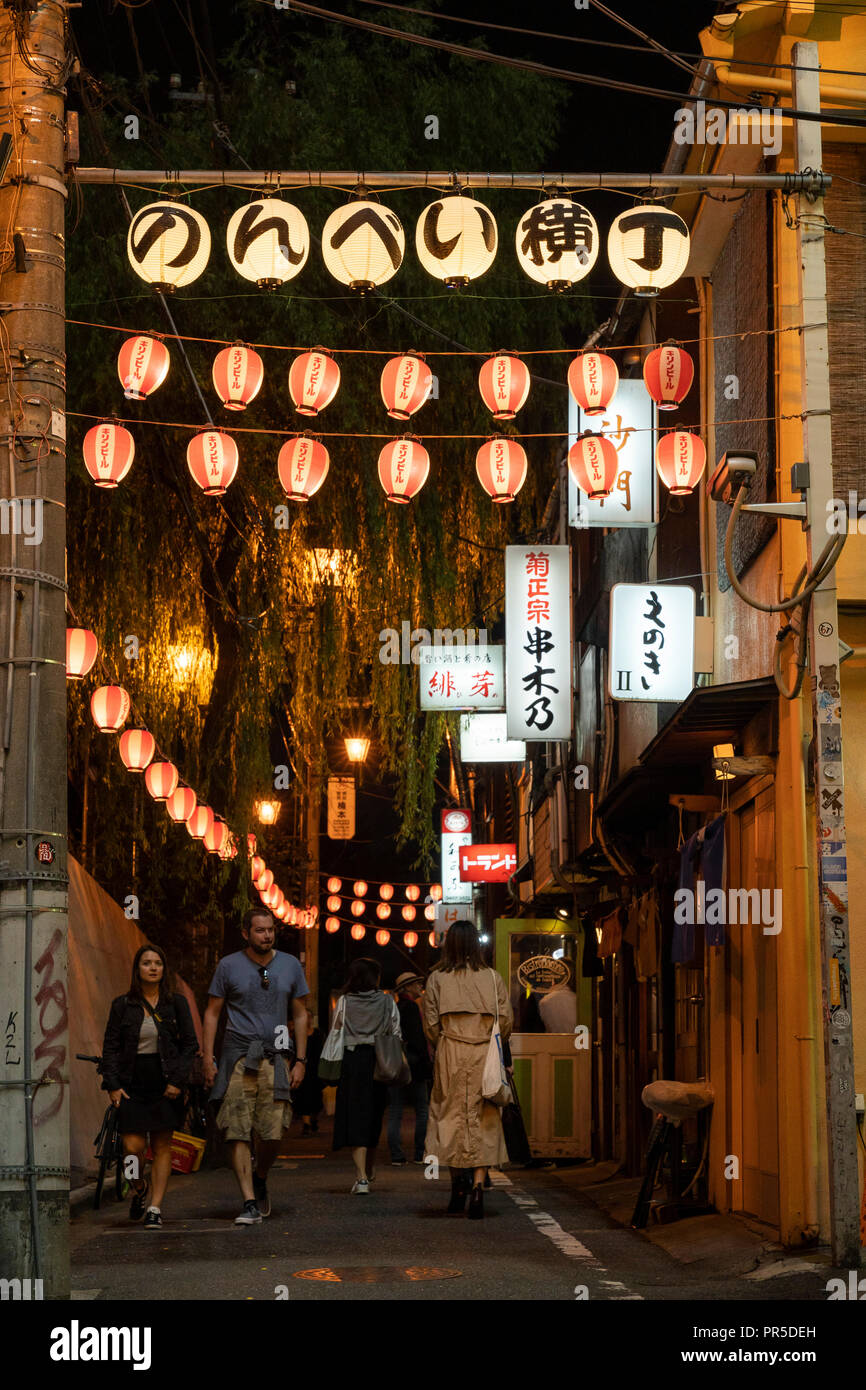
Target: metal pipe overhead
{"x":275,"y":179}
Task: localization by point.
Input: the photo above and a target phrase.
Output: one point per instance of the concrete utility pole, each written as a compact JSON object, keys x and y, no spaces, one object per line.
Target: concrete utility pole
{"x":826,"y":694}
{"x":35,"y":1060}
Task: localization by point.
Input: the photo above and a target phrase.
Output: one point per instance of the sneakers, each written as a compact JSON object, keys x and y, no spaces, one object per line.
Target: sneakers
{"x":250,"y":1216}
{"x":138,"y":1205}
{"x":153,"y":1219}
{"x":260,"y":1191}
{"x":361,"y":1187}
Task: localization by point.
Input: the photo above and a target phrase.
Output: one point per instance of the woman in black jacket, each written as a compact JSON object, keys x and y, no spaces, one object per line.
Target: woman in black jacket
{"x":147,"y":1053}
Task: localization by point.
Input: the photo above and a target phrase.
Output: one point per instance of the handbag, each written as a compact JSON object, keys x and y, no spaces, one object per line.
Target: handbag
{"x":331,"y":1059}
{"x":391,"y":1067}
{"x":494,"y":1079}
{"x":514,"y":1130}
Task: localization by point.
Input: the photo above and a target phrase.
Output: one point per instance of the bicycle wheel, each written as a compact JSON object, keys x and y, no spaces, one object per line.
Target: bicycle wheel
{"x":100,"y":1180}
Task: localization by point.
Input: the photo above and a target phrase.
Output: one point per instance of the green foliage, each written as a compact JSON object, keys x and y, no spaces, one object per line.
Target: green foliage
{"x":158,"y":559}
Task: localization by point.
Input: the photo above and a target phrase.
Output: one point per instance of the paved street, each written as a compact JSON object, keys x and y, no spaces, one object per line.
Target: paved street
{"x":540,"y":1240}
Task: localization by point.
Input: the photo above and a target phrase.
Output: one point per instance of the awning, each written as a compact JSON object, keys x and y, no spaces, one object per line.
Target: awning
{"x":678,"y":758}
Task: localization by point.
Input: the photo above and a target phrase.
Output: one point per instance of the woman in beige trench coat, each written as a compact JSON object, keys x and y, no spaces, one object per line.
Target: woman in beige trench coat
{"x":464,"y":1130}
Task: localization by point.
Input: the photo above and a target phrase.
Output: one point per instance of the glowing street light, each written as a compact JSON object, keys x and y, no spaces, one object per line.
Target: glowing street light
{"x":268,"y":811}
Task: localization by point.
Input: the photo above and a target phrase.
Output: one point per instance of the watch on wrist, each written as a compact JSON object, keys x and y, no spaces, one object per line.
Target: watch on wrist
{"x":302,"y":1060}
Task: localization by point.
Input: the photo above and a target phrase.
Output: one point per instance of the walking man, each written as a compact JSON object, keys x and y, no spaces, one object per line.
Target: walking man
{"x":410,"y":988}
{"x":253,"y":1080}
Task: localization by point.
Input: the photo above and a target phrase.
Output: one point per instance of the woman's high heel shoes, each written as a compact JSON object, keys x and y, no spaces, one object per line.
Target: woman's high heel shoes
{"x":476,"y":1204}
{"x":459,"y":1192}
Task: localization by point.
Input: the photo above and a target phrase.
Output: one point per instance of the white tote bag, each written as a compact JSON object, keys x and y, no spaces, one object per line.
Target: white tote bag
{"x":331,"y":1059}
{"x":494,"y":1081}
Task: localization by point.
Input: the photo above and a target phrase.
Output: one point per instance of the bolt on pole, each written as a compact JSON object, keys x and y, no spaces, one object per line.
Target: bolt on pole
{"x":836,"y":1004}
{"x":34,"y":1066}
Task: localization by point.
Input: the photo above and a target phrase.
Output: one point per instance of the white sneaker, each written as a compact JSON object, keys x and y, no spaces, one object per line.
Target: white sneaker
{"x":361,"y":1187}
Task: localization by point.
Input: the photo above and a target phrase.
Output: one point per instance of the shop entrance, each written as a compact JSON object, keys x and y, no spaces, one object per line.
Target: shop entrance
{"x":540,"y":961}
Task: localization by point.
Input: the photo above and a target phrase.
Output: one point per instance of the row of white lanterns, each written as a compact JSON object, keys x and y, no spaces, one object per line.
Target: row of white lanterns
{"x":456,"y":240}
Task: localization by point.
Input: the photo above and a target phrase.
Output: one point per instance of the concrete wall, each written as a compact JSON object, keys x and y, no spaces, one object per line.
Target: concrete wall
{"x":102,"y":944}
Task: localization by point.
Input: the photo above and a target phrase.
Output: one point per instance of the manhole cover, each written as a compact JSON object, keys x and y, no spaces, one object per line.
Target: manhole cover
{"x":375,"y":1274}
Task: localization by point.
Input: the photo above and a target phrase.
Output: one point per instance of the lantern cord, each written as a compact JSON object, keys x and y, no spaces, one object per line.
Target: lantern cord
{"x":442,"y":352}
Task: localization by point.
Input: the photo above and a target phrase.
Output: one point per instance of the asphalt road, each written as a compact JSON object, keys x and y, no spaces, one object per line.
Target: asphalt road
{"x":540,"y":1240}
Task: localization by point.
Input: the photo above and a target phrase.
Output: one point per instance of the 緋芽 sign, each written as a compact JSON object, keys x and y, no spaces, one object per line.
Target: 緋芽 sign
{"x":461,"y":677}
{"x":538,"y":641}
{"x":652,"y":641}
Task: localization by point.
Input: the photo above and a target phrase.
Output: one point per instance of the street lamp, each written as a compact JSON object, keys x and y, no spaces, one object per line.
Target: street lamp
{"x":357,"y":749}
{"x":268,"y":811}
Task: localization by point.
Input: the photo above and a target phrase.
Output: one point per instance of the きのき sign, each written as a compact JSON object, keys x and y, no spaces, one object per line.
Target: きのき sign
{"x":629,"y":423}
{"x":538,"y":650}
{"x":461,"y":677}
{"x":488,"y":863}
{"x":341,"y":808}
{"x":652,"y":641}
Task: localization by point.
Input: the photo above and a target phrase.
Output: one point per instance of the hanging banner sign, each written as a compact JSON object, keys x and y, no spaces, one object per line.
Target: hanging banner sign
{"x":652,"y":641}
{"x":341,"y":808}
{"x":461,"y":677}
{"x":630,"y":424}
{"x":484,"y":739}
{"x":538,"y":641}
{"x":488,"y":863}
{"x":446,"y":915}
{"x":456,"y":835}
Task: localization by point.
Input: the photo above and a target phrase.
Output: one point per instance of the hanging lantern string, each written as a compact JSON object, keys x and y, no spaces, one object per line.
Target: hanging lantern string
{"x":486,"y":434}
{"x":375,"y":882}
{"x":111,"y":679}
{"x":449,"y":352}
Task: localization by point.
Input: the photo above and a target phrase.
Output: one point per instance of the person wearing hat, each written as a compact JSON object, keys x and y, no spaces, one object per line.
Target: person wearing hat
{"x":410,"y":988}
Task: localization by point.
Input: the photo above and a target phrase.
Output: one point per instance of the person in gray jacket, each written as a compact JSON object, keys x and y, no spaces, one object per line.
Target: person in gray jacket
{"x":365,"y":1012}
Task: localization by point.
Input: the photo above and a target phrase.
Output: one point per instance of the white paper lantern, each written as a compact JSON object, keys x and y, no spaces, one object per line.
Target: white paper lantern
{"x":456,"y":240}
{"x":168,"y":245}
{"x":268,"y":241}
{"x":557,"y":243}
{"x":648,"y":248}
{"x":363,"y":244}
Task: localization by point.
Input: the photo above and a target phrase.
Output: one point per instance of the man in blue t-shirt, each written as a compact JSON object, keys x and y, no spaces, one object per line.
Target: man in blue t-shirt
{"x":252,"y":1078}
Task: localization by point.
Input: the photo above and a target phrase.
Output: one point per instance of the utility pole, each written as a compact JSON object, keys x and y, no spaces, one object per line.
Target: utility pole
{"x":836,"y":1001}
{"x":35,"y":1059}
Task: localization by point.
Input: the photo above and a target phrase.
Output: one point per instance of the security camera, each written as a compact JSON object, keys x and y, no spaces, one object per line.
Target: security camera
{"x":736,"y":469}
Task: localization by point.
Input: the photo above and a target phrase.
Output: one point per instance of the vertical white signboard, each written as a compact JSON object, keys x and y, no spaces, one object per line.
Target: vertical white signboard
{"x":652,"y":641}
{"x":538,"y":648}
{"x":629,"y":423}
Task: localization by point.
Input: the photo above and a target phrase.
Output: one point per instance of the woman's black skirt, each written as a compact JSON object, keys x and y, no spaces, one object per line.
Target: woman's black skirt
{"x":361,"y":1101}
{"x":148,"y":1108}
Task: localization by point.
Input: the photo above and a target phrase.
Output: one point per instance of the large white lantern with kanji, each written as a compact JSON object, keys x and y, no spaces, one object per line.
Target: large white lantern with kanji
{"x":168,"y":245}
{"x":363,"y":244}
{"x":268,"y":241}
{"x":648,"y":248}
{"x":557,"y":243}
{"x":456,"y":239}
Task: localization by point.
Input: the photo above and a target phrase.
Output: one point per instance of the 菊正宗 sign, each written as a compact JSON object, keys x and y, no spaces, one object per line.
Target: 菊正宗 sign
{"x":461,"y":677}
{"x":629,"y":424}
{"x":538,"y":660}
{"x":341,"y":808}
{"x":652,"y":641}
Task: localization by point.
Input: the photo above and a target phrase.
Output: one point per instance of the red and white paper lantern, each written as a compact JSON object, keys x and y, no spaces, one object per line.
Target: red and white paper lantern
{"x":238,"y":373}
{"x":161,"y":780}
{"x":265,"y":880}
{"x":504,"y":385}
{"x":383,"y":912}
{"x":386,"y":891}
{"x":257,"y":866}
{"x":680,"y":460}
{"x":333,"y":903}
{"x":314,"y":379}
{"x":334,"y":885}
{"x":501,"y":466}
{"x":302,"y":466}
{"x":212,"y":458}
{"x":408,"y":913}
{"x":592,"y":381}
{"x":357,"y":908}
{"x":332,"y":924}
{"x":109,"y":706}
{"x":668,"y":373}
{"x":200,"y":822}
{"x":81,"y":651}
{"x":142,"y":365}
{"x":406,"y":384}
{"x":413,"y":892}
{"x":216,"y":836}
{"x":403,"y":468}
{"x":410,"y":939}
{"x":593,"y":463}
{"x":358,"y":932}
{"x":181,"y":804}
{"x":383,"y":936}
{"x":137,"y":748}
{"x":108,"y":453}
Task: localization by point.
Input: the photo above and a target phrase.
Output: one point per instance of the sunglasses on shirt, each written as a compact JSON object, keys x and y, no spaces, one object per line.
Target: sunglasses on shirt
{"x":264,"y":978}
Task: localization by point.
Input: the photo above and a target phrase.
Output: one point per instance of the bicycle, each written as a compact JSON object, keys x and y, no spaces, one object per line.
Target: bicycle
{"x":109,"y":1147}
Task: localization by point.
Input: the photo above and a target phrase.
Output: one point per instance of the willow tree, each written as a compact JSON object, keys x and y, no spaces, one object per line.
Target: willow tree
{"x":234,"y":618}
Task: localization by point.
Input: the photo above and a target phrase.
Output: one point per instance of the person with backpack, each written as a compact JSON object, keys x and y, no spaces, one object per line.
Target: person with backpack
{"x":147,"y":1054}
{"x":461,"y":1004}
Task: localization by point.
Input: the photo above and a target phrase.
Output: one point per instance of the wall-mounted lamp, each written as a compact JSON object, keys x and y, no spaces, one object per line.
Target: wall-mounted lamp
{"x":723,"y":752}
